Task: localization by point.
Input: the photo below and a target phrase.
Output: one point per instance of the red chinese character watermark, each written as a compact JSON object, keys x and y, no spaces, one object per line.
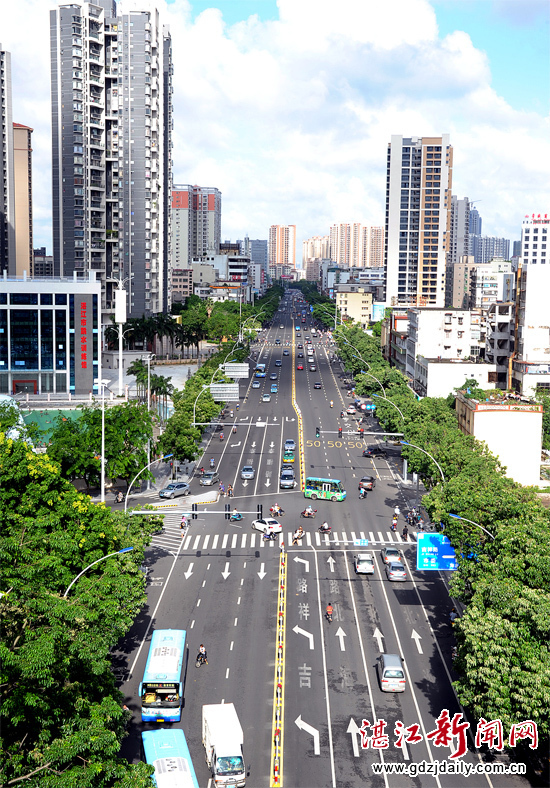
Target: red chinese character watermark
{"x":524,"y":730}
{"x":447,"y":730}
{"x":409,"y":735}
{"x":379,"y":739}
{"x":490,"y":733}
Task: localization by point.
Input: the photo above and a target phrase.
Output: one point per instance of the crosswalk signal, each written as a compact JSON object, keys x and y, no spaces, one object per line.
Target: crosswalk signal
{"x":227,"y":512}
{"x":194,"y":510}
{"x":317,"y":432}
{"x":339,"y":432}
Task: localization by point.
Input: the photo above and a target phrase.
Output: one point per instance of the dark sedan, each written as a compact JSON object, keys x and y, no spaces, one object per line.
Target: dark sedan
{"x":375,"y":451}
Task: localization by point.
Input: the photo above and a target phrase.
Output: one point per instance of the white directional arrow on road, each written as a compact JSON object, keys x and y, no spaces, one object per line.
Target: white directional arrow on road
{"x":245,"y":483}
{"x":340,"y":634}
{"x":271,"y":445}
{"x":244,"y":418}
{"x":234,"y":445}
{"x":189,"y":572}
{"x":226,"y":572}
{"x":416,"y":637}
{"x":302,"y":561}
{"x":331,"y":561}
{"x":261,"y":574}
{"x":354,"y":730}
{"x":267,"y":482}
{"x":289,"y":419}
{"x":311,"y":730}
{"x":253,"y":444}
{"x":378,"y":636}
{"x":307,"y":635}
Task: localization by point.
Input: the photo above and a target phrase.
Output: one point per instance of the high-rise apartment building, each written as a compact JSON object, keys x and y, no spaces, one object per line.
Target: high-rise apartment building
{"x":474,"y":222}
{"x":372,"y":247}
{"x":314,"y":248}
{"x":459,"y":229}
{"x":282,"y":245}
{"x":22,"y":169}
{"x":484,"y":248}
{"x":7,"y":204}
{"x":256,"y":249}
{"x":196,"y":223}
{"x":111,"y":138}
{"x":340,"y":244}
{"x":418,"y":208}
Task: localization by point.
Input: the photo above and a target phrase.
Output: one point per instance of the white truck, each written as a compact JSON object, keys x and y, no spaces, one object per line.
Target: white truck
{"x":222,"y":736}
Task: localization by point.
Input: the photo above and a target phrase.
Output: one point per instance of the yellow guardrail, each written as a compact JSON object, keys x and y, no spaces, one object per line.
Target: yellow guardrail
{"x":301,"y":455}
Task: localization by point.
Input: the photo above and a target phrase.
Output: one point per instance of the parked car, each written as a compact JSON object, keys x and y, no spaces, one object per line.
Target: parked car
{"x":395,"y":571}
{"x":364,"y":563}
{"x":248,"y":472}
{"x":390,"y":555}
{"x":174,"y":489}
{"x":375,"y":451}
{"x":209,"y":478}
{"x":267,"y":523}
{"x":367,"y":483}
{"x":290,"y":444}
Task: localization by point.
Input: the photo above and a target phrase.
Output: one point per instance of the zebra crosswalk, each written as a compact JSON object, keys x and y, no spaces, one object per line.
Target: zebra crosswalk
{"x":171,"y":539}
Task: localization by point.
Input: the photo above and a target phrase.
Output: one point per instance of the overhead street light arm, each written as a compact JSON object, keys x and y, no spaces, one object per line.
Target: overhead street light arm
{"x":427,"y":453}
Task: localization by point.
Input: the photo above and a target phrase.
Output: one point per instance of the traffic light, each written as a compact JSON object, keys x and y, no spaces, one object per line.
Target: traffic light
{"x":194,"y":510}
{"x":259,"y":511}
{"x":361,"y":431}
{"x":339,"y":432}
{"x":227,"y":512}
{"x":317,"y":432}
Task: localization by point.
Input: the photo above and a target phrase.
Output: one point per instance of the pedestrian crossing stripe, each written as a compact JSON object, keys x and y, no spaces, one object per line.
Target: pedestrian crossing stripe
{"x":234,"y":541}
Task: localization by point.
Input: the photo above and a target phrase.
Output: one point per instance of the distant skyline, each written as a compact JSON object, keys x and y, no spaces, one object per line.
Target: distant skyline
{"x":288,"y":110}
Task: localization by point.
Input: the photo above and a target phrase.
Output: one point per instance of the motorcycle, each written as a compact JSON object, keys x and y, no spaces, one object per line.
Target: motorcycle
{"x":305,"y":513}
{"x":328,"y":617}
{"x":119,"y":498}
{"x":234,"y":430}
{"x":212,"y":463}
{"x":221,"y":436}
{"x":276,"y":511}
{"x":362,"y":494}
{"x":235,"y":518}
{"x":393,"y":526}
{"x":201,"y":660}
{"x":269,"y":536}
{"x":325,"y":529}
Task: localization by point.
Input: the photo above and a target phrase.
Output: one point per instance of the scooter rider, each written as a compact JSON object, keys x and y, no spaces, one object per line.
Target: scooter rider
{"x":329,"y":611}
{"x":325,"y":526}
{"x":308,"y":511}
{"x":212,"y":462}
{"x":202,"y":656}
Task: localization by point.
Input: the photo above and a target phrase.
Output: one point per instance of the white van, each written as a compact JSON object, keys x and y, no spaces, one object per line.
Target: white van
{"x":391,"y":673}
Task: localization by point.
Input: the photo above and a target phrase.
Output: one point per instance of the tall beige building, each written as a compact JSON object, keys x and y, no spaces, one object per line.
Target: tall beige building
{"x":316,"y":247}
{"x":418,"y":220}
{"x":373,"y":247}
{"x":22,"y":171}
{"x":282,"y":245}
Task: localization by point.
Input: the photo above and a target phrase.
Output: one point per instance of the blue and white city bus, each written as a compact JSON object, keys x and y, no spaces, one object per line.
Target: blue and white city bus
{"x":167,"y":751}
{"x":161,"y":689}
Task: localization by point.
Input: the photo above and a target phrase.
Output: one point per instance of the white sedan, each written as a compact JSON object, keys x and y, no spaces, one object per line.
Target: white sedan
{"x":267,"y":524}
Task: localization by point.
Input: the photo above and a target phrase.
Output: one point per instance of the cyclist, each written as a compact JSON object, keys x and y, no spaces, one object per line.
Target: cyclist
{"x":329,"y":611}
{"x":202,"y":656}
{"x":331,"y":404}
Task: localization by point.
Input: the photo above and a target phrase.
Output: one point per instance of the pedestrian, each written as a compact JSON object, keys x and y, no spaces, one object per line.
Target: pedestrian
{"x":222,"y":489}
{"x":230,"y":490}
{"x":405,"y":533}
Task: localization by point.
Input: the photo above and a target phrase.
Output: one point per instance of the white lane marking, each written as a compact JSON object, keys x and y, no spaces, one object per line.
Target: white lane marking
{"x":227,"y":673}
{"x":206,"y":540}
{"x":215,"y":541}
{"x":238,"y":600}
{"x":234,"y":542}
{"x":231,"y":645}
{"x":380,"y":537}
{"x":235,"y":623}
{"x":198,"y":602}
{"x":203,"y":583}
{"x":224,"y":541}
{"x":192,"y":624}
{"x":196,"y":543}
{"x":187,"y":541}
{"x":253,"y":541}
{"x":317,"y":540}
{"x":243,"y":540}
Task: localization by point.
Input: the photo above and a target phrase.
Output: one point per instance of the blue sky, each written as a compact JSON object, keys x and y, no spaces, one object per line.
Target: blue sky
{"x":288,"y":108}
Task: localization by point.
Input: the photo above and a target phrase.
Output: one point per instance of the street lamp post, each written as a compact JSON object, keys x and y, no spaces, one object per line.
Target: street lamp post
{"x":101,"y":382}
{"x":160,"y":459}
{"x":150,"y":357}
{"x":458,"y":517}
{"x":118,"y":552}
{"x":427,"y":453}
{"x":389,"y":402}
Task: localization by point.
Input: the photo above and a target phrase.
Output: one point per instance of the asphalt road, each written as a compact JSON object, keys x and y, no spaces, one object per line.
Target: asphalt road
{"x":221,"y":584}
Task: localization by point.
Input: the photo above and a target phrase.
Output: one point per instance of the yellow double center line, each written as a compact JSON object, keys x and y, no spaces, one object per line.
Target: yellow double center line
{"x":301,"y":454}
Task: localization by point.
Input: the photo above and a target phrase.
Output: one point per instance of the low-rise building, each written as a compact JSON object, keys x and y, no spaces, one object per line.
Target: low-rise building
{"x":50,"y":335}
{"x":182,"y":283}
{"x":354,"y":301}
{"x":439,"y":377}
{"x":531,"y":364}
{"x":499,"y":339}
{"x":511,"y":428}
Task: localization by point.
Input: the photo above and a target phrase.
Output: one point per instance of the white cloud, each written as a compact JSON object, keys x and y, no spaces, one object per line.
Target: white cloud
{"x":291,"y":118}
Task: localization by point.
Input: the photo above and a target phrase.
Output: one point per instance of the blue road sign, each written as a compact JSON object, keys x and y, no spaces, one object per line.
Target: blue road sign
{"x":311,"y":309}
{"x":435,"y":552}
{"x":361,"y":543}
